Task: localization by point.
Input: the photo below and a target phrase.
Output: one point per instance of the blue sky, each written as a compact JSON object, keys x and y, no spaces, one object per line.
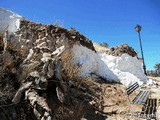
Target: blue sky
{"x":110,"y":21}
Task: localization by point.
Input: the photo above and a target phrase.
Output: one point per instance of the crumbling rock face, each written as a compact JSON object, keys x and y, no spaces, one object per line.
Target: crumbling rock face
{"x":121,"y":49}
{"x":37,"y":75}
{"x":52,"y":37}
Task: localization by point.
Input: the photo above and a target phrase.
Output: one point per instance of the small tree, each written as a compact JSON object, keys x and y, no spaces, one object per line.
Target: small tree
{"x":73,"y":29}
{"x":58,"y":23}
{"x":104,"y":44}
{"x":157,"y":68}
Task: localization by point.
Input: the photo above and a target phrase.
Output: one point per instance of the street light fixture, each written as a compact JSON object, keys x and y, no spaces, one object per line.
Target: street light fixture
{"x":138,"y":29}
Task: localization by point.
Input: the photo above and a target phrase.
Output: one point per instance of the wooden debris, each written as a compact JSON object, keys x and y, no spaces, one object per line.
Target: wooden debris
{"x":18,"y":95}
{"x":39,"y":105}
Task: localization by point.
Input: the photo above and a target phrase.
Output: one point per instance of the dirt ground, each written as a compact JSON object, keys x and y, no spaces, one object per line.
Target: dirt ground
{"x":118,"y":104}
{"x":155,"y":89}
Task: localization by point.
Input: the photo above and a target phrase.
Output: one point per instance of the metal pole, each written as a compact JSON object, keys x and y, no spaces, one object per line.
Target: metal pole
{"x":144,"y":66}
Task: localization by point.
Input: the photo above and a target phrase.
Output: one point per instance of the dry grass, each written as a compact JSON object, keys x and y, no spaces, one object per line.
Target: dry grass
{"x":100,"y":48}
{"x":70,"y":69}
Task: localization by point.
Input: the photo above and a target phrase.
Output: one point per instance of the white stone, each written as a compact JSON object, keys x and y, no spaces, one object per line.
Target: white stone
{"x":35,"y":74}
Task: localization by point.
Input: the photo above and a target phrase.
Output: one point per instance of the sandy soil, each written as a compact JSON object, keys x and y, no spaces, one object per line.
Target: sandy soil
{"x":155,"y":89}
{"x":117,"y":103}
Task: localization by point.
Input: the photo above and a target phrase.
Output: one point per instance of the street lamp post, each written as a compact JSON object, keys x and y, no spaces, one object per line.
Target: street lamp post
{"x":138,"y":29}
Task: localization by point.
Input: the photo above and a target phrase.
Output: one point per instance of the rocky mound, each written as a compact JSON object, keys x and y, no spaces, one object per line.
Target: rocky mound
{"x":121,"y":49}
{"x":38,"y":79}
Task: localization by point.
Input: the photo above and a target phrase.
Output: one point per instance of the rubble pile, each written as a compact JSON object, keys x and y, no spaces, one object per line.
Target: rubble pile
{"x":50,"y":73}
{"x":38,"y":79}
{"x":121,"y":49}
